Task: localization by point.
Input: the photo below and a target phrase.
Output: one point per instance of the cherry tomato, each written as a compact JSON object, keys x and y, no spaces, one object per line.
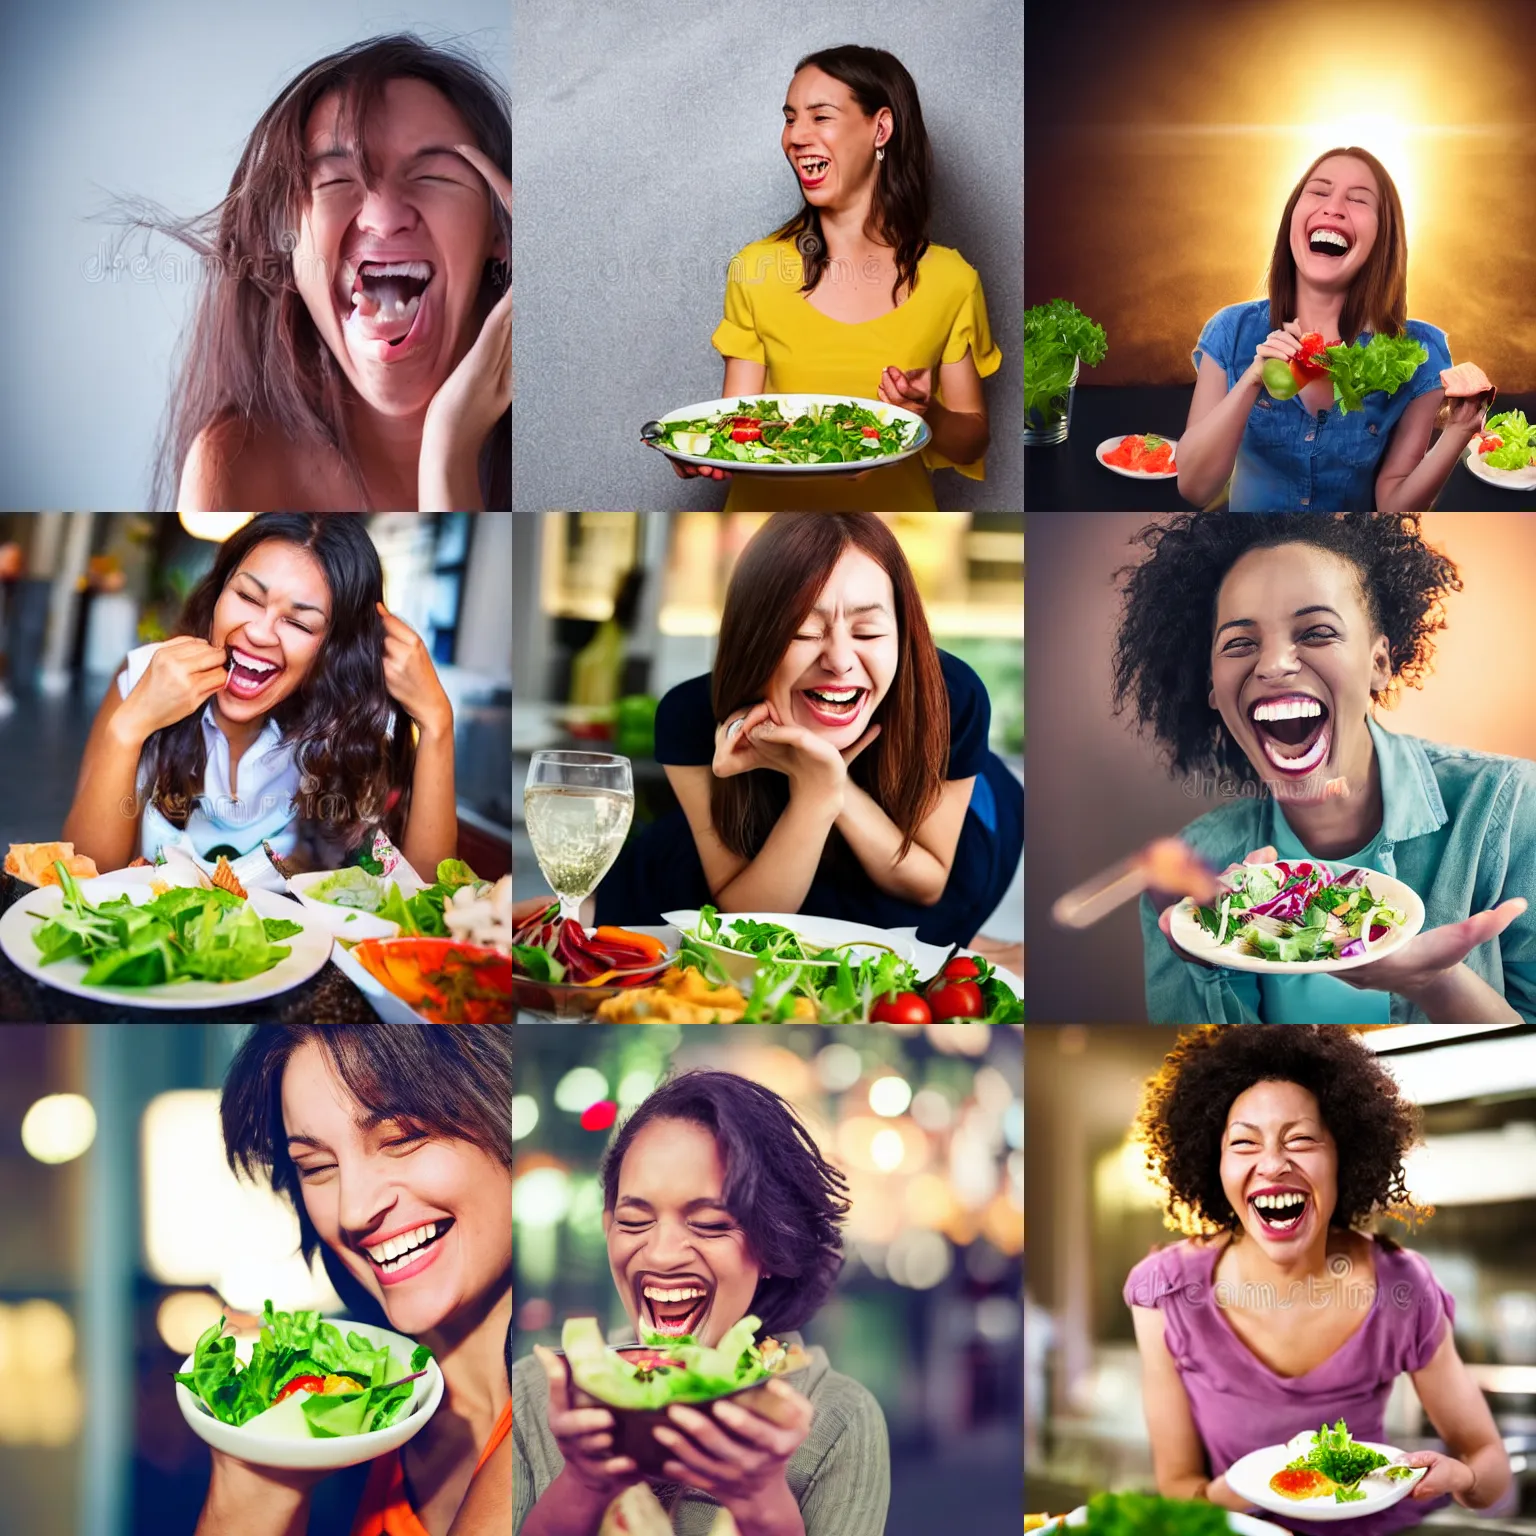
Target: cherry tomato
{"x":901,"y":1008}
{"x":300,"y":1384}
{"x":955,"y":1000}
{"x":748,"y":434}
{"x":962,"y":968}
{"x":871,"y":431}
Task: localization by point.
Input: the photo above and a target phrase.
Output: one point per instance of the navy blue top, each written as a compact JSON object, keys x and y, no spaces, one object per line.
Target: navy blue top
{"x":1291,"y":459}
{"x":660,"y":869}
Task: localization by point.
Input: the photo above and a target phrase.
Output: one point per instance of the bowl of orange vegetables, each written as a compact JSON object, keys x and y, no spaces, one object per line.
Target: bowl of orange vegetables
{"x":430,"y":981}
{"x":562,"y":971}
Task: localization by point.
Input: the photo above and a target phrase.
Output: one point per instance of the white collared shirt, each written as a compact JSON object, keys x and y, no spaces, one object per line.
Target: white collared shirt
{"x":268,"y":780}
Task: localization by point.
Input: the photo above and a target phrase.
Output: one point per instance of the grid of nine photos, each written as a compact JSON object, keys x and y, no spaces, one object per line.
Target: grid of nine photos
{"x":400,"y":839}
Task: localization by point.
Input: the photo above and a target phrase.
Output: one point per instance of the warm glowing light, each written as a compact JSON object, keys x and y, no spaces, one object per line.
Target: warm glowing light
{"x":992,"y":1090}
{"x":58,"y":1128}
{"x":214,"y":526}
{"x":1385,"y":134}
{"x":184,"y":1316}
{"x":40,"y":1400}
{"x":579,"y":1089}
{"x":872,"y":1145}
{"x":887,"y":1150}
{"x":541,"y":1197}
{"x":932,"y":1110}
{"x":889,"y":1096}
{"x":919,"y":1260}
{"x":838,"y":1066}
{"x":525,"y":1115}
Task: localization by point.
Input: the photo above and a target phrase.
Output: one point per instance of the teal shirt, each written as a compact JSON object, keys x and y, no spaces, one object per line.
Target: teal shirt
{"x":1458,"y":826}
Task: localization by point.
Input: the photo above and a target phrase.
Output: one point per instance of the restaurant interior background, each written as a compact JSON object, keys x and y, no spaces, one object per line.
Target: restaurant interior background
{"x":122,"y":1226}
{"x":1159,"y":159}
{"x":1104,"y":792}
{"x":79,"y":590}
{"x":1094,"y":1215}
{"x":927,"y":1122}
{"x":611,"y":609}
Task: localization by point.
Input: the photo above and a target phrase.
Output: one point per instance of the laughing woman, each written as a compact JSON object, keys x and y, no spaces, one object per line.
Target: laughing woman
{"x":1256,"y":650}
{"x":1281,"y":1146}
{"x":352,"y":343}
{"x":835,"y":762}
{"x":292,"y":708}
{"x":850,"y":297}
{"x":712,"y":1185}
{"x":1340,"y":269}
{"x":370,"y":1133}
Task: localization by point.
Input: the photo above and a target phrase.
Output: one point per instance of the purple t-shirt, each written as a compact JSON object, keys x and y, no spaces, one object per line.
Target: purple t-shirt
{"x":1239,"y":1404}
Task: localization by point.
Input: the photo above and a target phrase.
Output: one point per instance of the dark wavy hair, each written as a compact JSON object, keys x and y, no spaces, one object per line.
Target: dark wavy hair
{"x":252,"y":352}
{"x":1162,"y":658}
{"x":352,"y":743}
{"x":1184,"y":1111}
{"x":454,"y":1082}
{"x":789,"y":1201}
{"x":1378,"y":296}
{"x":898,"y":215}
{"x":773,"y":587}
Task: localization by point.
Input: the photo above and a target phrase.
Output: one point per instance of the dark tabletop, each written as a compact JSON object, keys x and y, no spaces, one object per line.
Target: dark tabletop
{"x":1068,"y":478}
{"x":328,"y":997}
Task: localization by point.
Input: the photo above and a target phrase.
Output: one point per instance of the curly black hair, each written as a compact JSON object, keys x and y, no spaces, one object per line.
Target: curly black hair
{"x":789,"y":1200}
{"x":1162,"y":662}
{"x":1184,"y":1111}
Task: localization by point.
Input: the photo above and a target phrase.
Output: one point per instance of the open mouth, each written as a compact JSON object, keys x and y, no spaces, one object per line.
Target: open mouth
{"x":675,"y":1310}
{"x":1293,"y":731}
{"x":408,"y":1250}
{"x":1279,"y":1211}
{"x":1329,"y":242}
{"x":812,"y":170}
{"x":387,"y":297}
{"x":250,"y":676}
{"x":834,"y":706}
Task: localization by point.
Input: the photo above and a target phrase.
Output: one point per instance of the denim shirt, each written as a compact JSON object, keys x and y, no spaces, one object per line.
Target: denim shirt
{"x":1458,"y":826}
{"x":1291,"y":459}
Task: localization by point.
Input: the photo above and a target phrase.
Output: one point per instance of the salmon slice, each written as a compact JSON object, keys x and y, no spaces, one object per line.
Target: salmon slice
{"x":1466,"y":379}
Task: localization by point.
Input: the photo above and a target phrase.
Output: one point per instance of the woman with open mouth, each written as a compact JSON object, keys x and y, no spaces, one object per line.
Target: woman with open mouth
{"x":292,"y":708}
{"x":1280,"y":1149}
{"x":1339,"y":271}
{"x":717,"y":1206}
{"x":352,"y":341}
{"x":835,"y":762}
{"x":1256,"y":650}
{"x":849,"y":297}
{"x":394,"y":1147}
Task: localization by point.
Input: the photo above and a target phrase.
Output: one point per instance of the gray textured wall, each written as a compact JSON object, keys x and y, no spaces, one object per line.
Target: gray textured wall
{"x":646,"y":154}
{"x":153,"y":99}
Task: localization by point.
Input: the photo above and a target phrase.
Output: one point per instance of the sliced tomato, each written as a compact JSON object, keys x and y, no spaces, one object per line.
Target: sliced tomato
{"x":300,"y":1384}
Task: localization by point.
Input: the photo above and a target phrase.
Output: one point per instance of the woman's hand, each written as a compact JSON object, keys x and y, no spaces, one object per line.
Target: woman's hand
{"x":1445,"y":1475}
{"x":911,"y":390}
{"x":475,"y":396}
{"x":735,"y":751}
{"x":181,"y":677}
{"x":411,"y":678}
{"x":246,"y":1500}
{"x":1464,"y":417}
{"x":810,"y":762}
{"x":584,"y":1436}
{"x":1284,"y":344}
{"x":699,"y":471}
{"x":1414,"y":970}
{"x":1265,"y":855}
{"x":735,"y":1455}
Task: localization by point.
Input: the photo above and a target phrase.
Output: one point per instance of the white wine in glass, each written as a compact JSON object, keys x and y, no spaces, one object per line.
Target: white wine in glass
{"x":578,"y":807}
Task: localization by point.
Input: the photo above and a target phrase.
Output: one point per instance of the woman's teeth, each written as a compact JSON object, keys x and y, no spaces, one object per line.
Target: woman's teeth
{"x":684,"y":1305}
{"x":813,"y":170}
{"x":1288,"y":709}
{"x":404,"y":1249}
{"x":835,"y":699}
{"x":1281,"y":1212}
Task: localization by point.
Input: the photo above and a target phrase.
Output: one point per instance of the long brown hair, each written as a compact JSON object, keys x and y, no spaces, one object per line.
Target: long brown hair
{"x":1378,"y":297}
{"x":339,"y":720}
{"x":898,"y":216}
{"x":252,"y":352}
{"x":775,"y":585}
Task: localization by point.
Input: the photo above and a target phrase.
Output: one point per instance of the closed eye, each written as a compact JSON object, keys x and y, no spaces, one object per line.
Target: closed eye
{"x":714,"y":1231}
{"x":315,"y":1168}
{"x":1321,"y":632}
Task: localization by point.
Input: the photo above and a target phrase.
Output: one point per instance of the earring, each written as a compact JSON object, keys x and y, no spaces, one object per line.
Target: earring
{"x":879,"y":153}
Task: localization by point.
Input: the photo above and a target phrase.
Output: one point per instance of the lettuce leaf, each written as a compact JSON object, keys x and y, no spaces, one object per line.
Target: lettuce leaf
{"x":1383,"y":363}
{"x":1056,"y":336}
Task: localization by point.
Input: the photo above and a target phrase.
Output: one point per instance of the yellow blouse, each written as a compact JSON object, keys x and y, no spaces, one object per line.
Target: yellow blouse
{"x":767,"y":320}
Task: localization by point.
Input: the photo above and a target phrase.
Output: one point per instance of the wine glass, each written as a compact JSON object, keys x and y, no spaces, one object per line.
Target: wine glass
{"x":578,"y":807}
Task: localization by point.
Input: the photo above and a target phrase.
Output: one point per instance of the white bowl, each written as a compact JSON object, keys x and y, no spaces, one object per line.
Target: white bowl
{"x":348,"y":922}
{"x":814,"y":932}
{"x":1249,"y":1476}
{"x":1240,"y":1525}
{"x":318,"y":1454}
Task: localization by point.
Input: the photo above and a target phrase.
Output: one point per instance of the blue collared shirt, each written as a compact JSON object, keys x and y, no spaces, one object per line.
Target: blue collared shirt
{"x":1458,"y":826}
{"x":1293,"y":459}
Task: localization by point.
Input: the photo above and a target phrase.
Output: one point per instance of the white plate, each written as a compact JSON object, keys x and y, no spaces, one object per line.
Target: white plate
{"x":792,"y":406}
{"x":348,"y":922}
{"x":1505,"y":479}
{"x":1241,"y":1525}
{"x":309,"y":950}
{"x":392,"y":1009}
{"x":1249,"y":1478}
{"x":318,"y":1454}
{"x":827,"y":931}
{"x":1111,"y":443}
{"x":1190,"y":936}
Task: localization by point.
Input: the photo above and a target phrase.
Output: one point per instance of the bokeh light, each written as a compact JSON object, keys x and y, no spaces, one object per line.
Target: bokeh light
{"x":580,"y":1088}
{"x":541,"y":1197}
{"x":59,"y":1127}
{"x":184,"y":1316}
{"x":838,"y":1066}
{"x":634,"y":1086}
{"x":890,"y":1096}
{"x":525,"y":1115}
{"x":599,"y":1116}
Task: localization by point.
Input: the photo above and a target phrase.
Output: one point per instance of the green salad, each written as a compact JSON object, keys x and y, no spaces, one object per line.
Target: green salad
{"x":672,"y":1370}
{"x":186,"y":934}
{"x":758,"y":432}
{"x":844,"y":990}
{"x":1344,"y":1462}
{"x":304,"y":1379}
{"x":1517,"y":441}
{"x":419,"y":916}
{"x":1149,"y":1514}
